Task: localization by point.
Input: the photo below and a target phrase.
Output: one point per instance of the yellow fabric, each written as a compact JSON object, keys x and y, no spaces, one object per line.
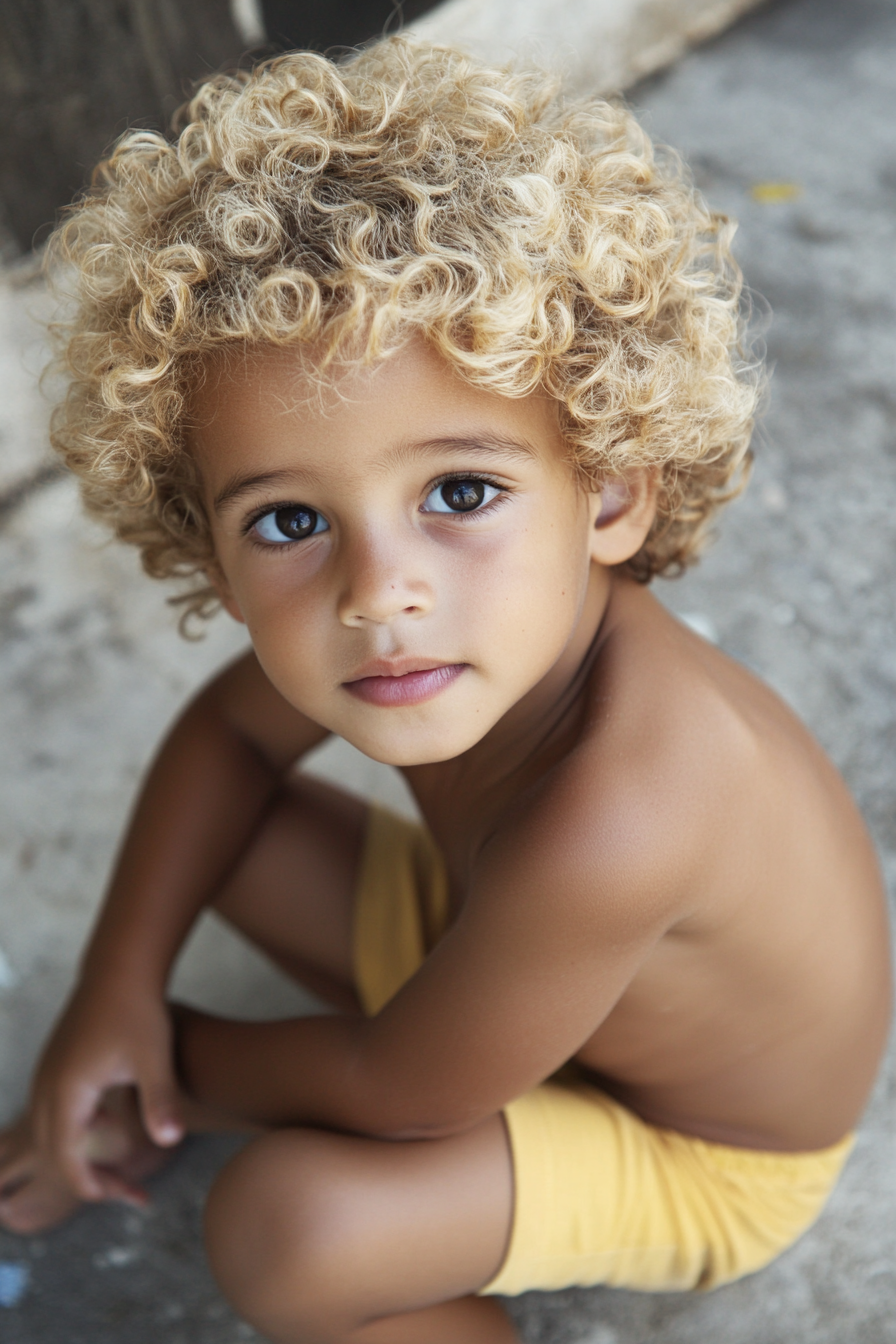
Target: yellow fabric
{"x":401,"y":906}
{"x":603,"y":1197}
{"x":600,"y":1195}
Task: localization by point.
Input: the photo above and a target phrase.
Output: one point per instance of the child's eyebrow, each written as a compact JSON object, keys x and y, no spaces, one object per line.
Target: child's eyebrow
{"x":240,"y":484}
{"x":489,"y":444}
{"x":473,"y":443}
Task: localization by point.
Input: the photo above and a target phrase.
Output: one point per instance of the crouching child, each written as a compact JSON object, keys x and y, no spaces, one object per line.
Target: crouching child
{"x":424,"y":374}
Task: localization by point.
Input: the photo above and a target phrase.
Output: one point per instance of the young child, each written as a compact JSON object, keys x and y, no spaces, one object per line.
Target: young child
{"x":427,"y":374}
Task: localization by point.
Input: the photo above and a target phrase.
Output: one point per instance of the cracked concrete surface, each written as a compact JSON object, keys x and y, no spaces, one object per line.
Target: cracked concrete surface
{"x":787,"y":121}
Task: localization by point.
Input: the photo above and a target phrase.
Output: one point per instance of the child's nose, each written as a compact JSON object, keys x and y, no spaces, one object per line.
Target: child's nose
{"x":382,"y":580}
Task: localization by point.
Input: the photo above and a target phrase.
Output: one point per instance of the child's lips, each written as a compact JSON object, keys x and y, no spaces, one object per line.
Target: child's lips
{"x":403,"y":687}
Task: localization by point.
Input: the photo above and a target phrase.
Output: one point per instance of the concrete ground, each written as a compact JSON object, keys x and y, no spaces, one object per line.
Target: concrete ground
{"x":787,"y":121}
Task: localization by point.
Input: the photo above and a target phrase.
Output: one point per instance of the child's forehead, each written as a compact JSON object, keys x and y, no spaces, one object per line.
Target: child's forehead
{"x":262,"y":393}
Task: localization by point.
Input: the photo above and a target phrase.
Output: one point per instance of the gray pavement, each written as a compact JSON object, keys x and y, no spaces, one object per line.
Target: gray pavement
{"x":787,"y":121}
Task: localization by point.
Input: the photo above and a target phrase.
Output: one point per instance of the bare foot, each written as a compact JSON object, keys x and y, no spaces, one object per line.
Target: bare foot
{"x":33,"y":1193}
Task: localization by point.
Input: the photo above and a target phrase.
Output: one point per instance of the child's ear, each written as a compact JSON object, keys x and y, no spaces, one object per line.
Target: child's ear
{"x":623,"y":512}
{"x":225,"y":593}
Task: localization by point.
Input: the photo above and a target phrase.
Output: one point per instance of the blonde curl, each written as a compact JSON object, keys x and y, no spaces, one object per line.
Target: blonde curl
{"x":407,"y":190}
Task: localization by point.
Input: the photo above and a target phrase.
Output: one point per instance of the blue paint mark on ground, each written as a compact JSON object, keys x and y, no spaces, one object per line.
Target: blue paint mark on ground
{"x":13,"y":1283}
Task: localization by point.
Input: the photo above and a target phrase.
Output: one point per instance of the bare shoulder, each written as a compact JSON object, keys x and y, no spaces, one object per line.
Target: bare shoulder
{"x":685,"y":766}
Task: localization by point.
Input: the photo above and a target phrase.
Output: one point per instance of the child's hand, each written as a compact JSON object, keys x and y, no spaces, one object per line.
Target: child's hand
{"x":106,"y":1039}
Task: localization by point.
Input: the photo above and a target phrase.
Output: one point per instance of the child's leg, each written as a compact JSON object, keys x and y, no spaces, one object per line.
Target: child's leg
{"x":292,"y":894}
{"x":352,"y":1240}
{"x":321,"y":1238}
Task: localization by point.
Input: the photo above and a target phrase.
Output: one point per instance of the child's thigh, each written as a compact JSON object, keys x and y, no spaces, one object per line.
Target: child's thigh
{"x":347,"y":1229}
{"x":293,"y":892}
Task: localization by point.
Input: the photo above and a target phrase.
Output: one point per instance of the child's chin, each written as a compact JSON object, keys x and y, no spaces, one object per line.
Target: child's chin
{"x":404,"y":750}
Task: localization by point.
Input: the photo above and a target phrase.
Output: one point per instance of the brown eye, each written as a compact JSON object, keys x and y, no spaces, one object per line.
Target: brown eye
{"x":292,"y":523}
{"x":460,"y":495}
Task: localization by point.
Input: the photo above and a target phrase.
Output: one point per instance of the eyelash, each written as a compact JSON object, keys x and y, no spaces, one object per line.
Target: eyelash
{"x":257,"y":515}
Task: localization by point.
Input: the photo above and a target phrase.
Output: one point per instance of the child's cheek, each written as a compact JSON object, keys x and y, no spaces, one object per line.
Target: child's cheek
{"x":521,"y":594}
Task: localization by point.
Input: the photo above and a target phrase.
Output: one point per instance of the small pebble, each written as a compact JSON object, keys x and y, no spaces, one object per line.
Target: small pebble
{"x":13,"y":1282}
{"x":773,"y":498}
{"x":115,"y":1257}
{"x":783,"y":614}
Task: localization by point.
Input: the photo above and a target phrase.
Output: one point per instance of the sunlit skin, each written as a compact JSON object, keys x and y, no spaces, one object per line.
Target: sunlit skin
{"x":654,"y":869}
{"x":503,"y":597}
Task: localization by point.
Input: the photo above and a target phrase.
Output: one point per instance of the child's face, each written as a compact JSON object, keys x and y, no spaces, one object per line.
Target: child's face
{"x":412,"y":556}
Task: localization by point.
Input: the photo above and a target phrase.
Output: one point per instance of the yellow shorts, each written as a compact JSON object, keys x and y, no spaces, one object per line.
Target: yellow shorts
{"x":600,"y":1196}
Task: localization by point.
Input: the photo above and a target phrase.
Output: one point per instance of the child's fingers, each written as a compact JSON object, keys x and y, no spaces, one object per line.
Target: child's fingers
{"x":63,"y":1133}
{"x":80,"y":1175}
{"x":160,"y":1111}
{"x":111,"y":1185}
{"x":15,"y":1175}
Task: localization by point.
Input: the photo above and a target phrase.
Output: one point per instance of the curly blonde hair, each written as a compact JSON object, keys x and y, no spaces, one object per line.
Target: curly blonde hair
{"x":408,"y":190}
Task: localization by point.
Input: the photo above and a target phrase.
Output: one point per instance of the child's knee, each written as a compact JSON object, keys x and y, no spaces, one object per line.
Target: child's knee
{"x":274,"y":1226}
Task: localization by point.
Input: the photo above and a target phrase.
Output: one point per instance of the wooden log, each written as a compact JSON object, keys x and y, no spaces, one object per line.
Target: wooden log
{"x":74,"y":74}
{"x":600,"y":46}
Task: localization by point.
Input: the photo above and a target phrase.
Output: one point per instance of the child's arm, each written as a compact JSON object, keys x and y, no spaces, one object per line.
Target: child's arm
{"x":212,"y":779}
{"x":555,"y":925}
